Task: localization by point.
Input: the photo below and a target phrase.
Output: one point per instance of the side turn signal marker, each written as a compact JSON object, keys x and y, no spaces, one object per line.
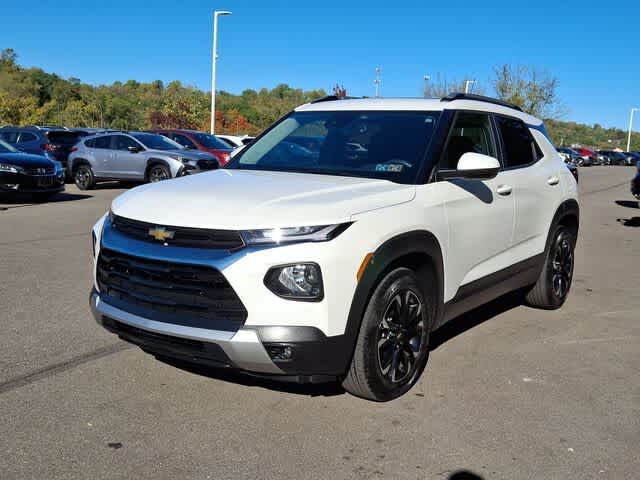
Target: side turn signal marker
{"x":363,"y":265}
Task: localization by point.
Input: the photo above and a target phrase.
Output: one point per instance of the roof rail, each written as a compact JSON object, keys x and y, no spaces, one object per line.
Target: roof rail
{"x":331,"y":98}
{"x":479,"y":98}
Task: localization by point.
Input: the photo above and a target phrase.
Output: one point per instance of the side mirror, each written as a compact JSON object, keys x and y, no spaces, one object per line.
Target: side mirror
{"x":473,"y":166}
{"x":134,"y":149}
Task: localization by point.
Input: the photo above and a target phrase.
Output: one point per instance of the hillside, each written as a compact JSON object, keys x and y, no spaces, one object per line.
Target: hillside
{"x":33,"y":96}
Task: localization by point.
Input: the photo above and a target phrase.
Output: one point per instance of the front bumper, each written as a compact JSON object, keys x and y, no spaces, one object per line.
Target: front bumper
{"x":315,"y":357}
{"x":23,"y":183}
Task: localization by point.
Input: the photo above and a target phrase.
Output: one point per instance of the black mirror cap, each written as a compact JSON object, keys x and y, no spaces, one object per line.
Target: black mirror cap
{"x":479,"y":174}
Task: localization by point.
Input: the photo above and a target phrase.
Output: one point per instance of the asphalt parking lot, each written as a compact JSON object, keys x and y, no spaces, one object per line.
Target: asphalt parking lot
{"x":509,"y":392}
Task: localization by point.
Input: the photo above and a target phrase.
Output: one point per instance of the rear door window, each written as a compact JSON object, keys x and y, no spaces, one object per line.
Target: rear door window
{"x":103,"y":142}
{"x":122,"y":142}
{"x":10,"y":137}
{"x":27,"y":137}
{"x":63,"y":138}
{"x":519,"y":147}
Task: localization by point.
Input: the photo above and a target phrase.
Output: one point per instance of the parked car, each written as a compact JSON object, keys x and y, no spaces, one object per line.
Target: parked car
{"x":632,"y":158}
{"x":140,"y":156}
{"x":588,"y":156}
{"x":635,"y":183}
{"x":612,"y":157}
{"x":570,"y":156}
{"x":27,"y":173}
{"x":235,"y":141}
{"x":321,"y":265}
{"x":52,"y":141}
{"x":194,"y":140}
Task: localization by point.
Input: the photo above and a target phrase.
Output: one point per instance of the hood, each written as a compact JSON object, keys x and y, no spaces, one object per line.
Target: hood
{"x":26,"y":160}
{"x":244,"y":199}
{"x":190,"y":154}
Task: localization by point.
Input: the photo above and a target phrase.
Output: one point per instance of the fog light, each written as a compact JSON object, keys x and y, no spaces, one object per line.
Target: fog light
{"x":280,"y":352}
{"x":300,"y":281}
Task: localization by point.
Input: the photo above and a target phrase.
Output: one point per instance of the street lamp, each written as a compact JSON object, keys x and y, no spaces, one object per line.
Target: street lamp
{"x":466,"y":85}
{"x":630,"y":124}
{"x":426,"y":79}
{"x":214,"y":56}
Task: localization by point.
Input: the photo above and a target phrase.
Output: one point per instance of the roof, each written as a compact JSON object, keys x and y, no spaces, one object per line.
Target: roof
{"x":415,"y":104}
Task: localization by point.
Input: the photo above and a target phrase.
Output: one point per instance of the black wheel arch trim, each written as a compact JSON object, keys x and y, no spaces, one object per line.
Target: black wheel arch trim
{"x":568,"y":208}
{"x":386,"y":257}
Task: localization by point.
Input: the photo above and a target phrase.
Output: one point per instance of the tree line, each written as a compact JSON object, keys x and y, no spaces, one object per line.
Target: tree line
{"x":31,"y":96}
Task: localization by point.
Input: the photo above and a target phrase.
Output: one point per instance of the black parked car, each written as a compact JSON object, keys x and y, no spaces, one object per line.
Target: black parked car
{"x":635,"y":183}
{"x":26,"y":173}
{"x":51,"y":141}
{"x":611,"y":157}
{"x":632,"y":158}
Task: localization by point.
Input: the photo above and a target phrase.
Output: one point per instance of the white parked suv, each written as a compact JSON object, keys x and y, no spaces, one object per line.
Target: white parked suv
{"x":340,"y":239}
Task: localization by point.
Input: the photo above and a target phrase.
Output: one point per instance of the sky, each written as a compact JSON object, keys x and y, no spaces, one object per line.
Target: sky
{"x":593,"y":48}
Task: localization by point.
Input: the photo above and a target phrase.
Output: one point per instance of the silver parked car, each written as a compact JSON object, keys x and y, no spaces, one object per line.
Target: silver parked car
{"x":140,"y":156}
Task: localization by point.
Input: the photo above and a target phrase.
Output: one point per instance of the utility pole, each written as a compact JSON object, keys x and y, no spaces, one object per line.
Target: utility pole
{"x":214,"y":57}
{"x":466,"y":85}
{"x":630,"y":125}
{"x":378,"y":81}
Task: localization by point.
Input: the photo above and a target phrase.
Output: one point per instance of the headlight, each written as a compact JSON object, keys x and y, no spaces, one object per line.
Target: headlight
{"x":300,"y":281}
{"x":275,"y":236}
{"x":4,"y":167}
{"x":180,"y":159}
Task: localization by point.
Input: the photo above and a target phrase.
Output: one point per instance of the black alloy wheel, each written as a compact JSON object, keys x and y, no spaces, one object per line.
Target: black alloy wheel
{"x":562,"y":266}
{"x":159,"y":172}
{"x":402,"y":336}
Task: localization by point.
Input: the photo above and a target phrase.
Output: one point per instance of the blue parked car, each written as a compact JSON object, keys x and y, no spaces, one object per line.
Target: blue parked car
{"x":50,"y":141}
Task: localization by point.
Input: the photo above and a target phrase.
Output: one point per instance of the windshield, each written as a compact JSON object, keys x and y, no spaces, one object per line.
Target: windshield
{"x":376,"y":144}
{"x":210,"y":141}
{"x":156,"y":142}
{"x":6,"y":148}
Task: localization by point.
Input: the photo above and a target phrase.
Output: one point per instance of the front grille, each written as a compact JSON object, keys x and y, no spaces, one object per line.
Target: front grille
{"x":40,"y":171}
{"x":207,"y":164}
{"x":182,"y":236}
{"x":180,"y":290}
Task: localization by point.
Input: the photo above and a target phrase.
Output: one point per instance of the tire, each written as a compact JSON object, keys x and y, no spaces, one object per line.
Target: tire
{"x":84,"y":177}
{"x":554,"y":283}
{"x":158,"y":172}
{"x":384,"y":339}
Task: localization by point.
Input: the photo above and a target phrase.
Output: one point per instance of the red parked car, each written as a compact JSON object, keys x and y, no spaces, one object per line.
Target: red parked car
{"x":196,"y":140}
{"x":588,"y":155}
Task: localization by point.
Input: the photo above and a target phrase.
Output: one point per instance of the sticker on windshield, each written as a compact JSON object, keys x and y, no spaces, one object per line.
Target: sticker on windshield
{"x":385,"y":167}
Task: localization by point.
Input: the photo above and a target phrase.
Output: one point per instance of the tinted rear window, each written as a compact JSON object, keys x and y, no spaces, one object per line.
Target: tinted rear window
{"x":63,"y":138}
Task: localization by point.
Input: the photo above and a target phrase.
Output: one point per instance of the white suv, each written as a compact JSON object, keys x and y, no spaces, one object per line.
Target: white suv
{"x":334,"y":244}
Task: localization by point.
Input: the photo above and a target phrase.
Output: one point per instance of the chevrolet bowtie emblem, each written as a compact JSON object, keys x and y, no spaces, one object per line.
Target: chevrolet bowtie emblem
{"x":161,"y":234}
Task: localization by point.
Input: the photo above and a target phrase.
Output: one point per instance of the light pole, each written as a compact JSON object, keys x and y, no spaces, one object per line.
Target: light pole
{"x":378,"y":81}
{"x":214,"y":56}
{"x":630,"y":124}
{"x":426,"y":79}
{"x":466,"y":85}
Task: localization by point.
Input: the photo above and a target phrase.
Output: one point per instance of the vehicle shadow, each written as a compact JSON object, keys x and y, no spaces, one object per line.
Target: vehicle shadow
{"x":628,"y":203}
{"x":467,"y":321}
{"x":630,"y":222}
{"x":465,"y":475}
{"x":26,"y":199}
{"x":328,"y":389}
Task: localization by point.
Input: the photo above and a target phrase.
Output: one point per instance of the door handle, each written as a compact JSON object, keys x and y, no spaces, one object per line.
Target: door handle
{"x":553,"y":180}
{"x":504,"y":190}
